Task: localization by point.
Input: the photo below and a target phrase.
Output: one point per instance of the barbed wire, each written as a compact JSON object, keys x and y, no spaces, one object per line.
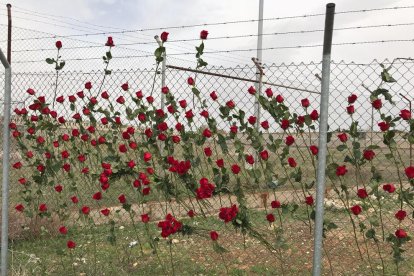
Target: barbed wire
{"x":248,"y":50}
{"x":231,"y":37}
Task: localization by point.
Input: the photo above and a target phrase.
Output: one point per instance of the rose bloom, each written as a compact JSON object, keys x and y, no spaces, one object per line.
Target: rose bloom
{"x":356,"y":209}
{"x":269,"y":92}
{"x":390,"y":188}
{"x":289,"y":140}
{"x":125,"y":86}
{"x":208,"y":152}
{"x":343,"y":137}
{"x":362,"y":193}
{"x":275,"y":204}
{"x":284,"y":124}
{"x":220,"y":163}
{"x":164,"y":36}
{"x":405,"y":114}
{"x":270,"y":217}
{"x":314,"y":115}
{"x":369,"y":155}
{"x":377,"y":104}
{"x":213,"y":95}
{"x":191,"y":213}
{"x":165,"y":90}
{"x":309,"y":200}
{"x":190,"y":81}
{"x":292,"y":162}
{"x":71,"y":244}
{"x":401,"y":234}
{"x":214,"y":235}
{"x":230,"y":104}
{"x":265,"y":124}
{"x":350,"y":109}
{"x":251,"y":90}
{"x":314,"y":149}
{"x":122,"y":199}
{"x":409,"y":172}
{"x":105,"y":212}
{"x":43,"y":207}
{"x":384,"y":126}
{"x":110,"y":42}
{"x":145,"y":218}
{"x":235,"y":169}
{"x":264,"y":154}
{"x":58,"y":44}
{"x":63,"y":230}
{"x":400,"y":215}
{"x":203,"y":34}
{"x":305,"y":103}
{"x":352,"y":98}
{"x":250,"y":159}
{"x":341,"y":170}
{"x":88,"y":85}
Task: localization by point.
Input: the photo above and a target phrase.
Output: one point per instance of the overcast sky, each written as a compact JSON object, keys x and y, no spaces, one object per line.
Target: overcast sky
{"x":113,"y":15}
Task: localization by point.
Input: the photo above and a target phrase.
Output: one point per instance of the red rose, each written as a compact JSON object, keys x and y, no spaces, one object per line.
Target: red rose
{"x":275,"y":204}
{"x":71,"y":244}
{"x":122,"y":199}
{"x":389,"y":188}
{"x":400,"y":215}
{"x":74,"y":199}
{"x":233,"y":129}
{"x":350,"y":109}
{"x":139,"y":94}
{"x":183,"y":103}
{"x":356,"y":210}
{"x":251,"y":90}
{"x":58,"y":188}
{"x":19,"y":208}
{"x":58,"y":44}
{"x":342,"y":137}
{"x":191,"y":213}
{"x":409,"y":172}
{"x":235,"y":169}
{"x":204,"y":113}
{"x":176,"y":139}
{"x":208,"y":152}
{"x":145,"y":218}
{"x":279,"y":99}
{"x":309,"y":200}
{"x":252,"y":120}
{"x":41,"y":168}
{"x":270,"y":217}
{"x":265,"y":124}
{"x":352,"y":98}
{"x":146,"y":191}
{"x":264,"y":154}
{"x":207,"y":133}
{"x":190,"y":81}
{"x":105,"y":95}
{"x":22,"y":181}
{"x":228,"y":213}
{"x":341,"y":170}
{"x":205,"y":190}
{"x":189,"y":114}
{"x":97,"y":196}
{"x":230,"y":104}
{"x":292,"y":162}
{"x":220,"y":163}
{"x":269,"y":92}
{"x":147,"y":156}
{"x":88,"y":85}
{"x":63,"y":230}
{"x":214,"y":235}
{"x":30,"y":91}
{"x":17,"y":165}
{"x":405,"y":114}
{"x":43,"y":207}
{"x":165,"y":90}
{"x":377,"y":104}
{"x":109,"y":42}
{"x":369,"y":155}
{"x":305,"y":103}
{"x":314,"y":149}
{"x":123,"y":148}
{"x":203,"y":34}
{"x":80,"y":94}
{"x":314,"y":115}
{"x":300,"y":120}
{"x":384,"y":126}
{"x":60,"y":99}
{"x":362,"y":193}
{"x":120,"y":100}
{"x":289,"y":140}
{"x":164,"y":36}
{"x":250,"y":159}
{"x":105,"y":212}
{"x":85,"y":210}
{"x":284,"y":124}
{"x":213,"y":95}
{"x":401,"y":234}
{"x":125,"y":86}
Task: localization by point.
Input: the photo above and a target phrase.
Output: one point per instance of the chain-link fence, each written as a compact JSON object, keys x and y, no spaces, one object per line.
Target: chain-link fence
{"x":121,"y":244}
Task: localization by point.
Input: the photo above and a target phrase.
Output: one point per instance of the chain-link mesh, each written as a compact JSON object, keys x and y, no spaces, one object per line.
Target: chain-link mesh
{"x":118,"y":244}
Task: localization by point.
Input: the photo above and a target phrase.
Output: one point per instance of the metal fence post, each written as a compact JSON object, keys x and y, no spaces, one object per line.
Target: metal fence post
{"x":6,"y":166}
{"x":259,"y":58}
{"x":323,"y":129}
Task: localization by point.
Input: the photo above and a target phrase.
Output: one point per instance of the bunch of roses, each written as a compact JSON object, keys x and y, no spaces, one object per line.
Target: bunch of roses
{"x":228,"y":214}
{"x":205,"y":190}
{"x":169,"y":226}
